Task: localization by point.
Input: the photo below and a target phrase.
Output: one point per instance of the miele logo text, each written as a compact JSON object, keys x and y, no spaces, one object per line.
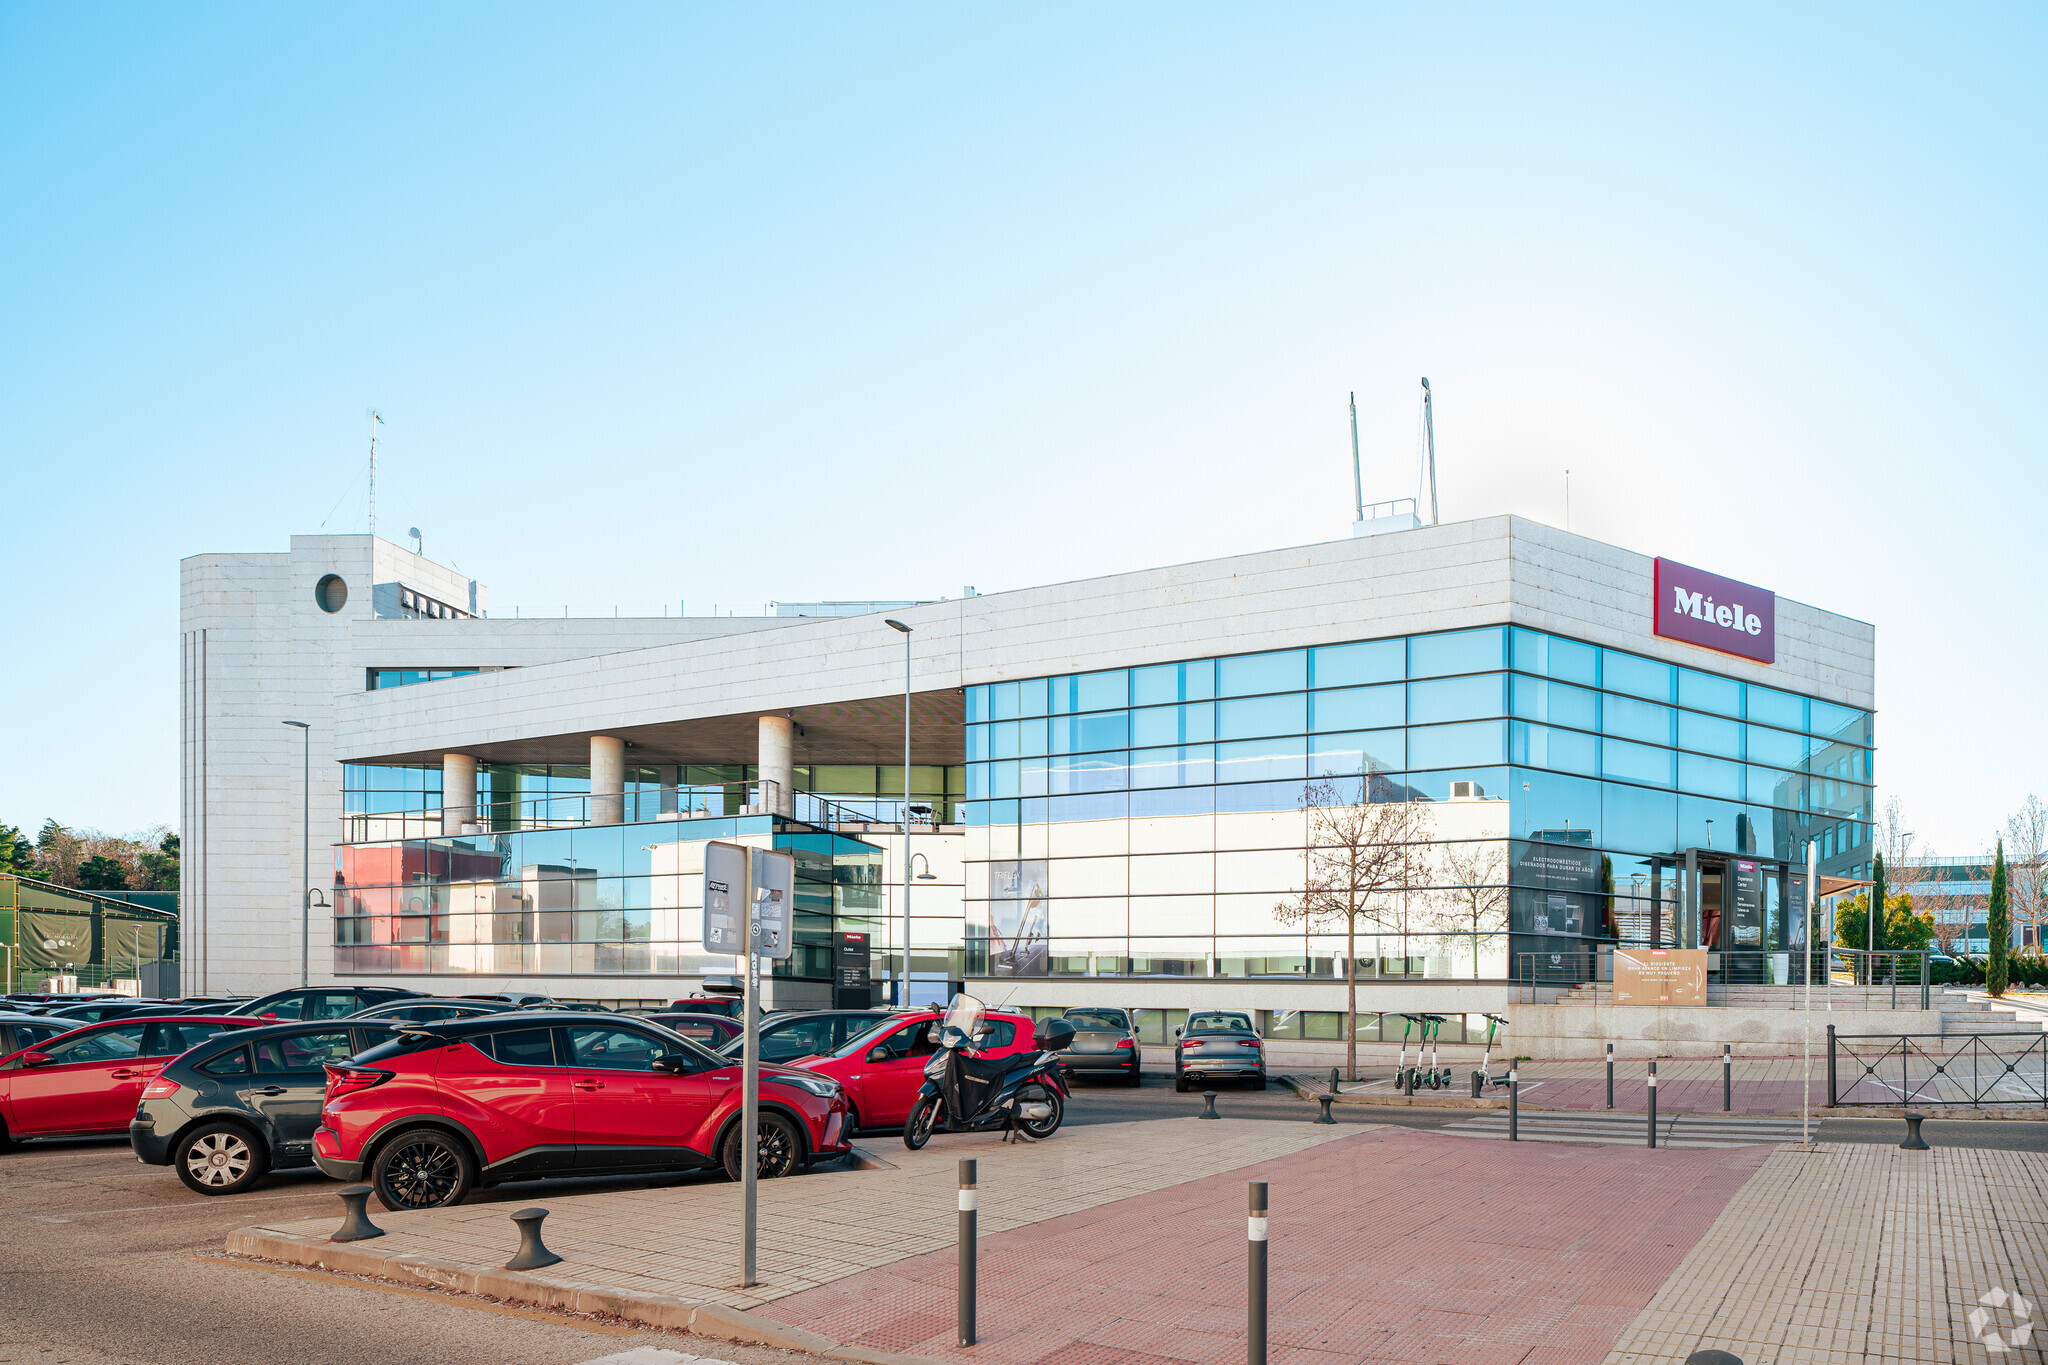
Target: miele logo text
{"x":1702,"y":608}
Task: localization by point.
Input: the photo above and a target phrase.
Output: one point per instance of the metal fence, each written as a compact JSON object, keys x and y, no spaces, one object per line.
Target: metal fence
{"x":1975,"y":1069}
{"x":640,"y":805}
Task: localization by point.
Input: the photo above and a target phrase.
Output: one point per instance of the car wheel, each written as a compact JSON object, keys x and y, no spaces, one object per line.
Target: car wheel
{"x":1137,"y":1077}
{"x":220,"y":1158}
{"x":422,"y":1168}
{"x":917,"y":1129}
{"x":1180,"y":1083}
{"x":778,"y":1149}
{"x":1259,"y":1084}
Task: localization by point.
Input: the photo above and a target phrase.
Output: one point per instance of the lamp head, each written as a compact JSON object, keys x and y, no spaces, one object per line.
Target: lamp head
{"x":895,"y":624}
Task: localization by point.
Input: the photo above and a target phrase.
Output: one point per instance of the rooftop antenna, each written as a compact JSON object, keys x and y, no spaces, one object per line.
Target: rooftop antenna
{"x":376,"y":420}
{"x":1429,"y":447}
{"x":419,"y":544}
{"x":1357,"y":481}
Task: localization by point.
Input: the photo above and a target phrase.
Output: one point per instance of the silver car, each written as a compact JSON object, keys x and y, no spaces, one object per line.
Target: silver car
{"x":1218,"y":1045}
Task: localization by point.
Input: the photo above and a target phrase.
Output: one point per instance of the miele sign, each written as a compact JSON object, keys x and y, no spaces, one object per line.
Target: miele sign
{"x":1701,"y":608}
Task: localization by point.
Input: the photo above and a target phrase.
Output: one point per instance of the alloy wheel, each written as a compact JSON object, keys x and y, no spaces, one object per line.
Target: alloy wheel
{"x":423,"y":1173}
{"x":219,"y":1159}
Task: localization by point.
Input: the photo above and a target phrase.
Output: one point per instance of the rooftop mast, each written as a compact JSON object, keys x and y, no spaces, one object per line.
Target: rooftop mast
{"x":375,"y":422}
{"x":1357,"y":481}
{"x":1429,"y":448}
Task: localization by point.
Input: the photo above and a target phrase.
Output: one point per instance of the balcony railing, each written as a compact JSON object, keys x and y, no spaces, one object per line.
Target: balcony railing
{"x":643,"y":805}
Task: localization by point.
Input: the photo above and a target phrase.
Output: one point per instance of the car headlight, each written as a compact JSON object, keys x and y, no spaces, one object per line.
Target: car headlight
{"x":824,"y":1087}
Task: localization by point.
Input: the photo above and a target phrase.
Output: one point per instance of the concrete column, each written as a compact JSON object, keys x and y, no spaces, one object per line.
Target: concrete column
{"x":458,"y":793}
{"x":607,"y":780}
{"x":777,"y":760}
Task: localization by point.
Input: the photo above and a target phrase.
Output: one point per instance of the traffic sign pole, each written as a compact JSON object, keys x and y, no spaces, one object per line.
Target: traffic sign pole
{"x":750,"y":1115}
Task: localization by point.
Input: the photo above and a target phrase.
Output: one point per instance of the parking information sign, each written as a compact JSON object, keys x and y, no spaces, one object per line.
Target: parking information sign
{"x":774,"y":894}
{"x":725,"y":880}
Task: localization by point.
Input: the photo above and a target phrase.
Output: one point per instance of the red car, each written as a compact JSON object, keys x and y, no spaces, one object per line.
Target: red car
{"x":90,"y":1079}
{"x":883,"y":1068}
{"x":448,"y":1106}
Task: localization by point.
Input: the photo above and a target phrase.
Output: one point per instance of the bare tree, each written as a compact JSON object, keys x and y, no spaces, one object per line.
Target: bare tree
{"x":1357,"y":854}
{"x":2026,"y":847}
{"x":1894,"y":840}
{"x":1474,"y":898}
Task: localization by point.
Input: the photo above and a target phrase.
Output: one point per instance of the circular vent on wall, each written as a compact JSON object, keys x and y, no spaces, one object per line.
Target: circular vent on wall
{"x":331,"y":593}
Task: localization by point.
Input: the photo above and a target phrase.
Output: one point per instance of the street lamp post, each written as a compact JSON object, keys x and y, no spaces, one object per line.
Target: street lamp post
{"x":305,"y":845}
{"x":903,"y":998}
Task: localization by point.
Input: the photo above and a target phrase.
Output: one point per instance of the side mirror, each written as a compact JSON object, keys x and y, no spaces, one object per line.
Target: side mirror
{"x":36,"y":1059}
{"x":671,"y":1064}
{"x":1176,"y":1032}
{"x":931,"y":1035}
{"x":878,"y":1053}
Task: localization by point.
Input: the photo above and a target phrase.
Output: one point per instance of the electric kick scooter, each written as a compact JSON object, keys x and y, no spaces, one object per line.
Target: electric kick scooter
{"x":1436,"y":1077}
{"x":1494,"y":1023}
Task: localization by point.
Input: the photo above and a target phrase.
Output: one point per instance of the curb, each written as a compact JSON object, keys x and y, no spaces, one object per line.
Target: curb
{"x":714,"y":1320}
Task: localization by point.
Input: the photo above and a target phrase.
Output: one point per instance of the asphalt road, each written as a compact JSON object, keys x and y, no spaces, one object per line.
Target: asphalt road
{"x":109,"y":1262}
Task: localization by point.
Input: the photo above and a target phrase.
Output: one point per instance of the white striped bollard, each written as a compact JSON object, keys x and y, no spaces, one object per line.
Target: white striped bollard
{"x":969,"y":1199}
{"x":1255,"y":1277}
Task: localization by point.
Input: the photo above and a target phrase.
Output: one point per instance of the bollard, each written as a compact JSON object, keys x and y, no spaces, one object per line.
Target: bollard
{"x":1478,"y":1081}
{"x":532,"y":1253}
{"x":355,"y":1218}
{"x":1727,"y":1077}
{"x":1333,"y":1080}
{"x":1326,"y":1101}
{"x":1712,"y":1358}
{"x":1831,"y":1066}
{"x":1653,"y":1101}
{"x":969,"y":1199}
{"x":1514,"y":1105}
{"x":1209,"y":1097}
{"x":1610,"y":1075}
{"x":1914,"y":1142}
{"x":1255,"y":1277}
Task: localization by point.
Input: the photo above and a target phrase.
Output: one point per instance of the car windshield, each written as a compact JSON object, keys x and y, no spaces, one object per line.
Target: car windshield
{"x":1219,"y":1023}
{"x":1097,"y":1019}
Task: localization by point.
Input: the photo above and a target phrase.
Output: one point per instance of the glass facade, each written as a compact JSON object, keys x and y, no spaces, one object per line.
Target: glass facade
{"x":584,"y":900}
{"x":1146,"y":821}
{"x":405,"y":677}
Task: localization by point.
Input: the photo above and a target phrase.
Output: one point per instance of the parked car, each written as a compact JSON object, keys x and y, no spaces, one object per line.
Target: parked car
{"x":428,"y":1010}
{"x":101,"y":1010}
{"x":19,"y":1032}
{"x":214,"y":999}
{"x":236,"y":1107}
{"x":320,"y":1002}
{"x":708,"y":1030}
{"x":883,"y":1068}
{"x":1218,"y":1045}
{"x":519,"y":1000}
{"x":731,"y":1006}
{"x":444,"y":1108}
{"x":805,"y":1033}
{"x":90,"y":1079}
{"x":1105,"y":1044}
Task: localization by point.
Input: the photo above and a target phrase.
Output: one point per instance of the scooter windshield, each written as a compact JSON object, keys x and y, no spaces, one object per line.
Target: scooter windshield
{"x":964,"y":1014}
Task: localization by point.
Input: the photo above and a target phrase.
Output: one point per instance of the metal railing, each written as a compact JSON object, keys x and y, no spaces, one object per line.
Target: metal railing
{"x":1891,"y":967}
{"x":1975,"y":1069}
{"x":639,"y":805}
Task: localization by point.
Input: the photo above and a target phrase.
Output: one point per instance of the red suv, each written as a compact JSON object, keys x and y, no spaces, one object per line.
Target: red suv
{"x":90,"y":1079}
{"x":883,"y":1068}
{"x":446,"y":1107}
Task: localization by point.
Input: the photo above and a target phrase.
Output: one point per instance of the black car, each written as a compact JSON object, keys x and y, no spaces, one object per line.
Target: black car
{"x":18,"y":1031}
{"x":806,"y":1033}
{"x":1218,"y":1045}
{"x":519,"y":1000}
{"x":244,"y":1103}
{"x":320,"y":1002}
{"x":1105,"y":1044}
{"x":100,"y":1011}
{"x":428,"y":1010}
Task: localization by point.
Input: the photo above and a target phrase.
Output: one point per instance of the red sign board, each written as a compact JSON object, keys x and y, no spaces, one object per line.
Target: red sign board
{"x":1706,"y":609}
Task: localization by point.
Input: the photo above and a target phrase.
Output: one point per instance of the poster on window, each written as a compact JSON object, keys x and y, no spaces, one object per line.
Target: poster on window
{"x":1017,"y":919}
{"x":1555,"y":889}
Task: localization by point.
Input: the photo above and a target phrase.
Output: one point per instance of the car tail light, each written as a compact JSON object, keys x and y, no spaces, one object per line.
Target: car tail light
{"x":159,"y":1088}
{"x":346,"y":1080}
{"x":1125,"y":1042}
{"x":1247,"y":1042}
{"x":1192,"y":1042}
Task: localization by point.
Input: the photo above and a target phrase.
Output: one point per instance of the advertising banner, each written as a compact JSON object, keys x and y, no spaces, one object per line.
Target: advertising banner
{"x":1660,"y":976}
{"x":1706,"y":609}
{"x":1554,"y":889}
{"x":1746,"y":905}
{"x":852,"y":971}
{"x":1017,"y":919}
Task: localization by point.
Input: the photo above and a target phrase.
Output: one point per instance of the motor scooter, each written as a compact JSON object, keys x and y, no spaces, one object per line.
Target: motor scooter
{"x":1023,"y":1094}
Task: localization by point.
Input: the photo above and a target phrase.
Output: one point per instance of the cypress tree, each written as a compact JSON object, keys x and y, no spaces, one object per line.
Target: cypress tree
{"x":1875,"y":927}
{"x":1997,"y":928}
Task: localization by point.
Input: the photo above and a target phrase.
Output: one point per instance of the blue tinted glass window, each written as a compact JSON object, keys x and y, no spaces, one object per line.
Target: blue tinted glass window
{"x":977,"y":702}
{"x":1636,"y":676}
{"x":977,"y":742}
{"x":1238,"y":797}
{"x":1541,"y":746}
{"x":1775,"y":747}
{"x":1635,"y":762}
{"x":1177,"y":766}
{"x":1249,"y":674}
{"x":1032,"y":776}
{"x":1705,"y":692}
{"x":1031,"y":697}
{"x":1194,"y":681}
{"x":1540,"y":699}
{"x":1638,"y":720}
{"x":1031,"y":736}
{"x":1377,"y":751}
{"x":1066,"y":775}
{"x":1358,"y":708}
{"x":1002,"y":701}
{"x":1105,"y":691}
{"x":1730,"y":831}
{"x":1373,"y":661}
{"x":977,"y":781}
{"x":1491,"y":782}
{"x":1548,"y":807}
{"x":1776,"y":788}
{"x":1709,"y":734}
{"x":1457,"y":746}
{"x":1002,"y":740}
{"x":1191,"y":724}
{"x":1455,"y":699}
{"x":1102,"y":806}
{"x":1565,"y":660}
{"x":1830,"y":721}
{"x":1460,"y":651}
{"x":1773,"y":707}
{"x":1083,"y":734}
{"x":1286,"y":714}
{"x":1710,"y":776}
{"x":1262,"y":760}
{"x":1637,"y":820}
{"x":1002,"y":779}
{"x":1173,"y":801}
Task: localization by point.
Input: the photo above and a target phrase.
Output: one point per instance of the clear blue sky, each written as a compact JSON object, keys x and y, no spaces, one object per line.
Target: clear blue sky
{"x":1001,"y":296}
